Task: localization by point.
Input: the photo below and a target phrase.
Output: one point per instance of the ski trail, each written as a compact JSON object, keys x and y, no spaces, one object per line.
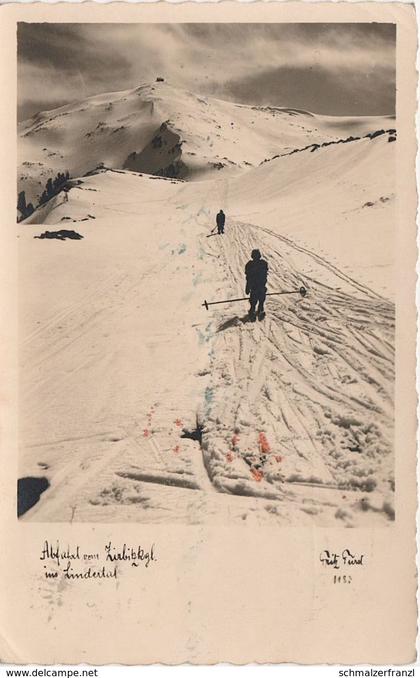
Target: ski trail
{"x":318,"y":259}
{"x":296,"y":411}
{"x":315,"y":378}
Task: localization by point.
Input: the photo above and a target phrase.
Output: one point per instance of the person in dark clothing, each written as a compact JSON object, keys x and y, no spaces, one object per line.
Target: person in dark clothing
{"x":220,"y":221}
{"x":256,"y":272}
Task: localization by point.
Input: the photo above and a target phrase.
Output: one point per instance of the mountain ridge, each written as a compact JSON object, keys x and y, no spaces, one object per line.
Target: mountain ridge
{"x":167,"y":131}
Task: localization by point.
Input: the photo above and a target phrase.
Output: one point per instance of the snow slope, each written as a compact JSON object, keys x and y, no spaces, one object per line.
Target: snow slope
{"x":338,"y":201}
{"x":138,"y":404}
{"x":160,"y":129}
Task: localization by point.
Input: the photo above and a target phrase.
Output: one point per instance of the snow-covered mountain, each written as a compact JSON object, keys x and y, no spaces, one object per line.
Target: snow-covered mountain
{"x":163,"y":130}
{"x":139,"y":404}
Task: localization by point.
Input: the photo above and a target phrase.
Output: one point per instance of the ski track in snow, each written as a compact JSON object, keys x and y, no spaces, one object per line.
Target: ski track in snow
{"x":314,"y":377}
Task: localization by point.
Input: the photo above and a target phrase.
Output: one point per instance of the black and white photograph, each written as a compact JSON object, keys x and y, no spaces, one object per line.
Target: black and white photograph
{"x":206,"y":236}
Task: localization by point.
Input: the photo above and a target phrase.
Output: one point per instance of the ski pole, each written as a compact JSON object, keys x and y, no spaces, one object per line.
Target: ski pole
{"x":302,"y":291}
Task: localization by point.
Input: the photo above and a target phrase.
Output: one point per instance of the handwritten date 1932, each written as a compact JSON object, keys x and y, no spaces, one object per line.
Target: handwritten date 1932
{"x":342,"y":579}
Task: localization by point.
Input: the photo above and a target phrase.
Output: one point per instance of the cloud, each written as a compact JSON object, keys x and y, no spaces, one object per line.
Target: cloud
{"x":336,"y":65}
{"x":317,"y":89}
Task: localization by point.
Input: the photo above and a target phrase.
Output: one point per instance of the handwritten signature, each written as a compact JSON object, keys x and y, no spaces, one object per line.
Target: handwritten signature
{"x":343,"y":559}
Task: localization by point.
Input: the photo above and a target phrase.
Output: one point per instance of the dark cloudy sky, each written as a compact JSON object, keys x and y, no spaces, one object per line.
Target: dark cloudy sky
{"x":334,"y":69}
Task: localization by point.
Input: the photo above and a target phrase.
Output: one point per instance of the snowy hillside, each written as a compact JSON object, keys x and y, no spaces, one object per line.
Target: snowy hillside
{"x":338,"y":201}
{"x":159,"y":129}
{"x":138,"y":404}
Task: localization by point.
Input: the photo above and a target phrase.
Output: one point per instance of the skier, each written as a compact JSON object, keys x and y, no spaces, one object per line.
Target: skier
{"x":220,"y":221}
{"x":256,"y":272}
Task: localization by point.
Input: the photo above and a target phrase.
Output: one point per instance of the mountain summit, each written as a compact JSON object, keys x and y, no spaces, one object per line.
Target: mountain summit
{"x":159,"y":129}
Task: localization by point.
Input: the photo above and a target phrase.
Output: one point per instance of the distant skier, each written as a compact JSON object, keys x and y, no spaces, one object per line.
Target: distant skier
{"x":256,"y":272}
{"x":220,"y":222}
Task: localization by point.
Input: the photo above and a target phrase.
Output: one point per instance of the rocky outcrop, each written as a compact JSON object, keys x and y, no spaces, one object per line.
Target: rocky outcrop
{"x":392,"y":136}
{"x":161,"y":156}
